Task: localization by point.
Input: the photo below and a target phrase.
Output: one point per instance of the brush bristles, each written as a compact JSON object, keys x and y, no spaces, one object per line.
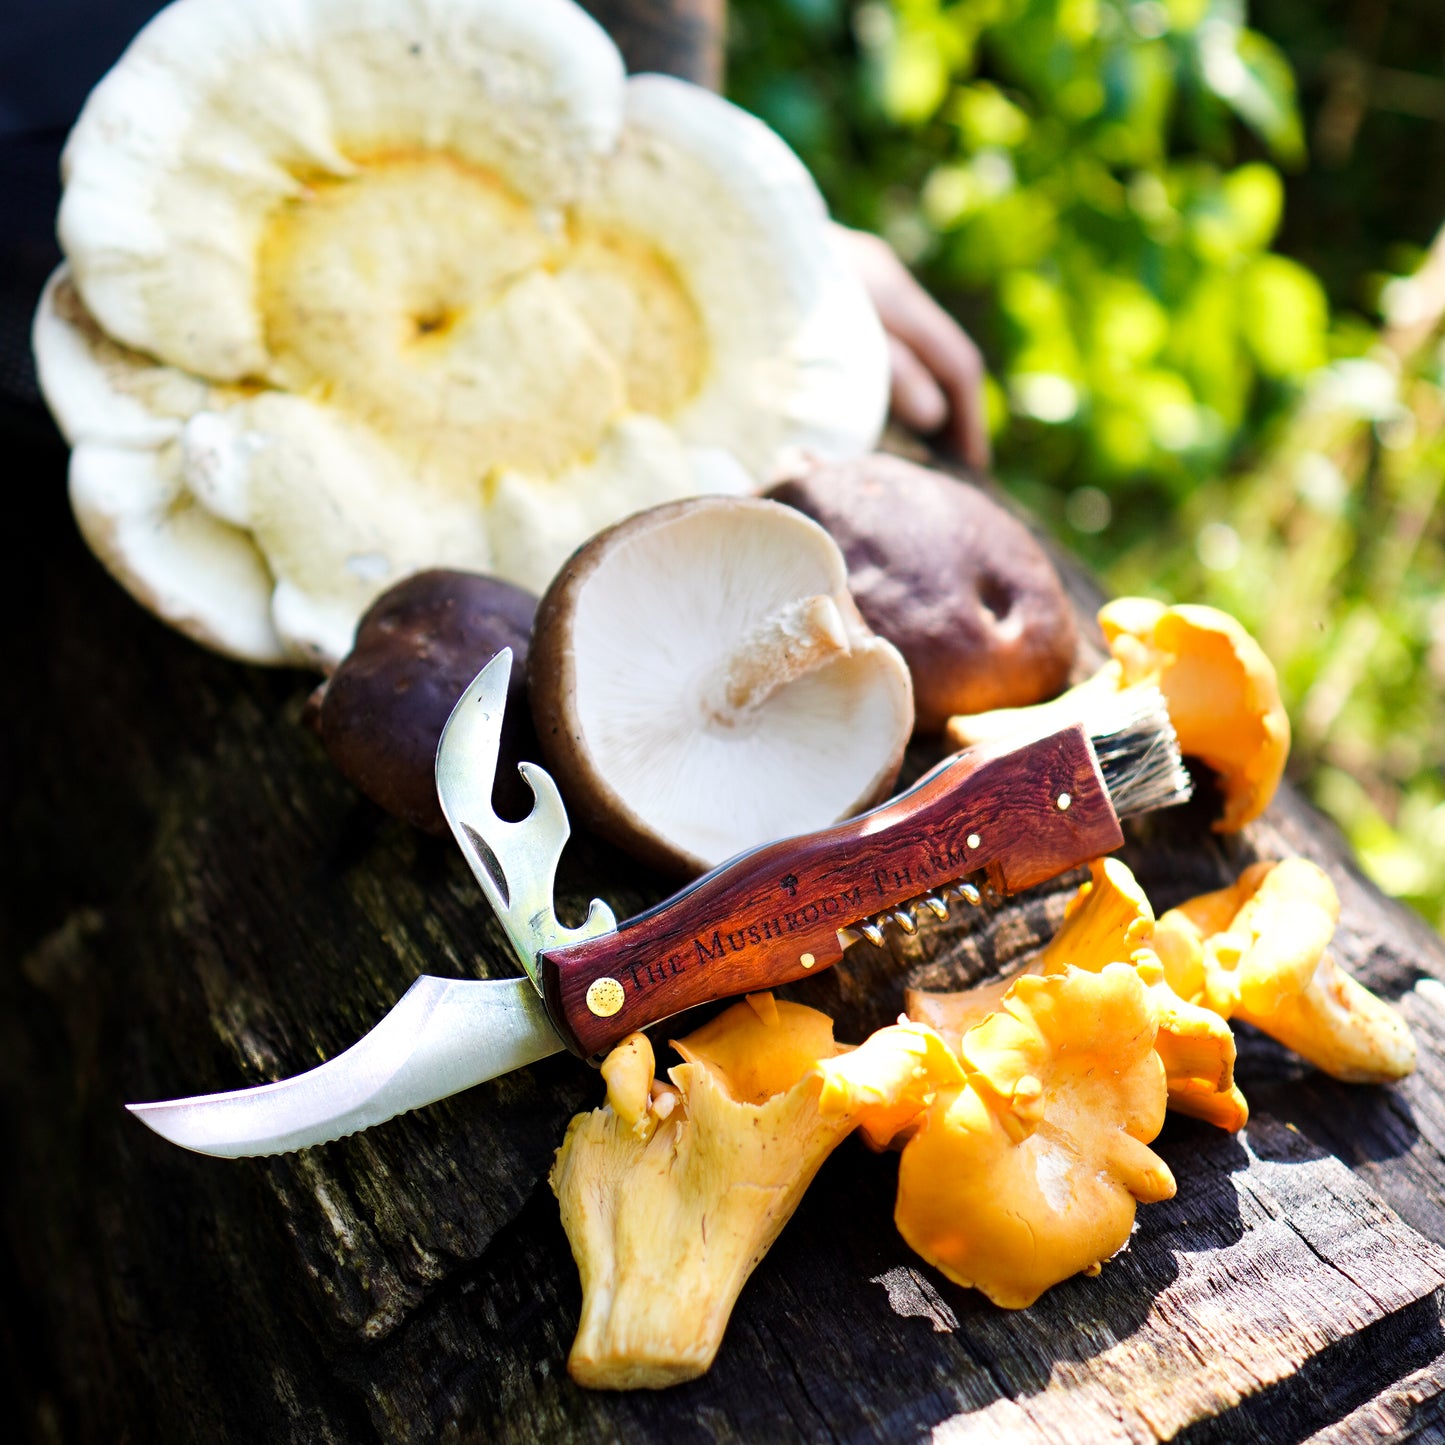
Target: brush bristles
{"x":1138,"y":752}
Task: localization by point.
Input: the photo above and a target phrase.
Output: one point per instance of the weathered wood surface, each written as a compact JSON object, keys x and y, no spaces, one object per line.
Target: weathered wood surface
{"x":194,"y":900}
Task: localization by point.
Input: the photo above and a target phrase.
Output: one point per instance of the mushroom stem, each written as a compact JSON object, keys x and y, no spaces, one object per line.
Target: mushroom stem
{"x":1341,"y":1027}
{"x":788,"y":644}
{"x":1021,"y":724}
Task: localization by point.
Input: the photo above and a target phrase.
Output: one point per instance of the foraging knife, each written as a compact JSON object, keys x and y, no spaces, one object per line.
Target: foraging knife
{"x":995,"y":819}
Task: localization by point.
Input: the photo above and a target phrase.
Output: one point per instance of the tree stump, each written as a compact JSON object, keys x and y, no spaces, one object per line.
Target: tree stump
{"x":194,"y":900}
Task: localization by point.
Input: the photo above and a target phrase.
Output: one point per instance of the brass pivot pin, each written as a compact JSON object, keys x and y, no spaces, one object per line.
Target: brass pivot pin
{"x":605,"y":997}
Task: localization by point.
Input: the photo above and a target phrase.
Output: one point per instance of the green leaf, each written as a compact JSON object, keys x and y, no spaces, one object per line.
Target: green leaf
{"x":1035,"y":311}
{"x":1139,"y":85}
{"x":1019,"y":229}
{"x":1205,"y":346}
{"x":914,"y":81}
{"x":1127,"y":326}
{"x":986,"y":117}
{"x":1253,"y":78}
{"x":1185,"y":14}
{"x":1254,"y":197}
{"x":1121,"y":444}
{"x":1284,"y":316}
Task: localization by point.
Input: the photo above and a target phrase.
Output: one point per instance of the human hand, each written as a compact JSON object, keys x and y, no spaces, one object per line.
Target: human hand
{"x":937,"y":369}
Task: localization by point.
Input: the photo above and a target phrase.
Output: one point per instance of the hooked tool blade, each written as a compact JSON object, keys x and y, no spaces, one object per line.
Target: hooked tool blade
{"x":515,"y":863}
{"x":444,"y":1035}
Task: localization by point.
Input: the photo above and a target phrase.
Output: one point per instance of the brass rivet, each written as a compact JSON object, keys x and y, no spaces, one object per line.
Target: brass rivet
{"x":807,"y":960}
{"x":605,"y":997}
{"x":973,"y":840}
{"x":1063,"y":801}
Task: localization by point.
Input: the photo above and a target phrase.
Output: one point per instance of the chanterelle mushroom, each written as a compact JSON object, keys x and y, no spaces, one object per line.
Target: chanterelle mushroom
{"x":1220,"y":688}
{"x":1110,"y":920}
{"x":1029,"y":1171}
{"x":672,"y":1193}
{"x":702,"y":683}
{"x":357,"y":287}
{"x":1259,"y":952}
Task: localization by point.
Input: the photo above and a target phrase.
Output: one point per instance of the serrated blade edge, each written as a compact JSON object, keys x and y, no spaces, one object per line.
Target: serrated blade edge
{"x":443,"y":1036}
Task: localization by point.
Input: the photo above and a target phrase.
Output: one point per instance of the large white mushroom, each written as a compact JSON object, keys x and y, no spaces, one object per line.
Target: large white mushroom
{"x":355,"y":287}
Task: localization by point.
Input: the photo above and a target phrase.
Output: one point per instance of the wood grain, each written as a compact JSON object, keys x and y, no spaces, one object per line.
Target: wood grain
{"x":1412,"y":1409}
{"x":193,"y":900}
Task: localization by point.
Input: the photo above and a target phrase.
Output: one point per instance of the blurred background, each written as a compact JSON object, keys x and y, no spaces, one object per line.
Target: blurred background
{"x":1200,"y":243}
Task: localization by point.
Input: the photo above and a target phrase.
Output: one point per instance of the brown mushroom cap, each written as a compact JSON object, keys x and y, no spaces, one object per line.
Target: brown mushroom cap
{"x":959,"y":586}
{"x":702,"y":683}
{"x":417,"y":647}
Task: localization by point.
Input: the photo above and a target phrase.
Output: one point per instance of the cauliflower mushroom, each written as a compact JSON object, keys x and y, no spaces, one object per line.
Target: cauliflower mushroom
{"x":702,"y":683}
{"x":1220,"y":688}
{"x":672,"y":1192}
{"x":358,"y":287}
{"x":1258,"y":951}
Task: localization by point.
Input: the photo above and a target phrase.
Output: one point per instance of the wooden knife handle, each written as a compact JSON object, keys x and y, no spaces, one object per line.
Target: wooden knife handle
{"x":1018,"y":815}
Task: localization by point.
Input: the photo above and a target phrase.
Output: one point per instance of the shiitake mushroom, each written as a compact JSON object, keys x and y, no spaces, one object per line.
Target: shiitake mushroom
{"x":960,"y":587}
{"x":381,"y":713}
{"x":702,"y":683}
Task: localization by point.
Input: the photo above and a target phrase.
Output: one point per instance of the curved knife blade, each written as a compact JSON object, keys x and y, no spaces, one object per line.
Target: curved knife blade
{"x":443,"y":1036}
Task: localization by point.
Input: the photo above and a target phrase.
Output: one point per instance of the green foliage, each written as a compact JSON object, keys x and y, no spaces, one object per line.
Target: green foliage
{"x":1118,"y":200}
{"x":1332,"y":551}
{"x":1080,"y":164}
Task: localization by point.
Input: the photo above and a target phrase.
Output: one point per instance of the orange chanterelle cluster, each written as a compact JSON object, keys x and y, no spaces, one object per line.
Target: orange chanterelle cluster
{"x":1024,"y":1109}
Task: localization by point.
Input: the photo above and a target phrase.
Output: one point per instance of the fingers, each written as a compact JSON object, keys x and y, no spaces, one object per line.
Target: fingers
{"x":937,"y":370}
{"x":917,"y":399}
{"x":946,"y":351}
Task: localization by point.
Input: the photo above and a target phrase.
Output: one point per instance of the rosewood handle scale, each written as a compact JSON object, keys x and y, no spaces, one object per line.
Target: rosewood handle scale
{"x":773,"y":915}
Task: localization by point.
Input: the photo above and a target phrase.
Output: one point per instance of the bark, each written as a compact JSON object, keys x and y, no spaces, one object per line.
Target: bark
{"x":194,"y":900}
{"x":672,"y":37}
